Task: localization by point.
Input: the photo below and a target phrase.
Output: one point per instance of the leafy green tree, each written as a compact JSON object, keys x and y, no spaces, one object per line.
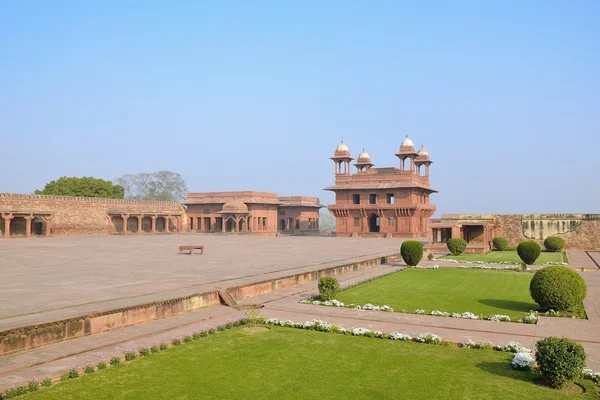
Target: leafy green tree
{"x":83,"y":187}
{"x":161,"y":185}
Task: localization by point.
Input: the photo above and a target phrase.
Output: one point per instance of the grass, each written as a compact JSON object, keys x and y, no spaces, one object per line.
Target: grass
{"x":508,"y":256}
{"x":448,"y":289}
{"x":286,"y":363}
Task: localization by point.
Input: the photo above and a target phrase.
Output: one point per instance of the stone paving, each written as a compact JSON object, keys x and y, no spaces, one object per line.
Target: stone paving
{"x":45,"y":279}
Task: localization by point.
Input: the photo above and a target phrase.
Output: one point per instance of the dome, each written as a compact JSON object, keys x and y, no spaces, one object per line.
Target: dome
{"x":423,"y":151}
{"x":235,"y":206}
{"x":364,"y":156}
{"x":407,"y":142}
{"x":342,"y":148}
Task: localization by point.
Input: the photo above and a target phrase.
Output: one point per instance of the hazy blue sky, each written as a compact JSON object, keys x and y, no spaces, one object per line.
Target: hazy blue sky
{"x":256,"y":95}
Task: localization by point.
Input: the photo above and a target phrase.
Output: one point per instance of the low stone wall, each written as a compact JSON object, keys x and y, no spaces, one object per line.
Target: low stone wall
{"x":580,"y":231}
{"x":83,"y":215}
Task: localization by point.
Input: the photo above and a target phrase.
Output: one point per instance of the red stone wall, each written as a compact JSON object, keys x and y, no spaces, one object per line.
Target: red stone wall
{"x":84,"y":215}
{"x":584,"y":236}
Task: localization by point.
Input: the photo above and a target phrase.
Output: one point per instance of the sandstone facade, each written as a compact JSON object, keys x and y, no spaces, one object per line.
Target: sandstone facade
{"x":41,"y":215}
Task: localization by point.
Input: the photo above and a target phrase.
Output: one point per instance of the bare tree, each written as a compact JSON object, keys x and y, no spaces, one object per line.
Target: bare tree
{"x":160,"y":185}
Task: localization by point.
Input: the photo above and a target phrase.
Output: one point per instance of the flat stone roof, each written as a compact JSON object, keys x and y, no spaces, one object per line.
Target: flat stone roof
{"x":44,"y":279}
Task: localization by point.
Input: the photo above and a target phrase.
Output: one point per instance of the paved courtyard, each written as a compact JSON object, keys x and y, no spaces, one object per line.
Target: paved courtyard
{"x":44,"y":279}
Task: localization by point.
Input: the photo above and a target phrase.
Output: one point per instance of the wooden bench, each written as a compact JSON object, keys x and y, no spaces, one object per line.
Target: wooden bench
{"x":191,"y":249}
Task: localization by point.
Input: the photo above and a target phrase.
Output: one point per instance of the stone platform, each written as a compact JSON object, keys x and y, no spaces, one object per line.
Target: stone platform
{"x":58,"y":288}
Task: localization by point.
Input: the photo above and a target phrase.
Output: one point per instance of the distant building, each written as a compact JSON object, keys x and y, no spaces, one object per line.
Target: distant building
{"x":390,"y":202}
{"x":257,"y":213}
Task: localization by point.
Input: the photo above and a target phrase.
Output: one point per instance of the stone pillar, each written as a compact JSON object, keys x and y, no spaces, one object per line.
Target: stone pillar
{"x":7,"y":218}
{"x":48,"y":220}
{"x":223,"y":223}
{"x":153,"y":224}
{"x":438,"y":233}
{"x":192,"y":223}
{"x":108,"y":224}
{"x":167,"y":223}
{"x":125,"y":218}
{"x":427,"y":170}
{"x":28,"y":219}
{"x":139,"y":218}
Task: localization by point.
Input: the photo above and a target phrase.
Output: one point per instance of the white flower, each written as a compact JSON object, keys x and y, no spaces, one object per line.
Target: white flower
{"x":316,"y":303}
{"x":399,"y":336}
{"x":429,"y":338}
{"x":531,"y":318}
{"x":514,"y":347}
{"x":272,"y":321}
{"x":522,"y":361}
{"x":337,"y":303}
{"x":439,"y":313}
{"x":465,"y":315}
{"x":591,"y":375}
{"x":360,"y":331}
{"x":467,"y":343}
{"x":378,"y":334}
{"x":498,"y":317}
{"x":419,"y":311}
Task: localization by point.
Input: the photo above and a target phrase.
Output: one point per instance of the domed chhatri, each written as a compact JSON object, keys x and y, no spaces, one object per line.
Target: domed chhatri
{"x":363,"y":161}
{"x":235,"y":206}
{"x":407,"y":142}
{"x":423,"y":151}
{"x":364,"y":156}
{"x":342,"y":148}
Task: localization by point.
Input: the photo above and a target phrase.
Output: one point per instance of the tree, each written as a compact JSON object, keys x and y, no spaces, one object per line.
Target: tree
{"x":161,"y":185}
{"x":83,"y":187}
{"x":326,"y":222}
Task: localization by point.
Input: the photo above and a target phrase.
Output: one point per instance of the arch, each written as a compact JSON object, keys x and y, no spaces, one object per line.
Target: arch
{"x":373,"y":223}
{"x":282,"y":224}
{"x":229,"y":224}
{"x":132,"y":224}
{"x":117,"y":223}
{"x":147,"y":224}
{"x":242,"y":225}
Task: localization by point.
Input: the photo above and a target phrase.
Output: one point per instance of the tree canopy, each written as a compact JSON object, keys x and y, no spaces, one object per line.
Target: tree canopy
{"x":160,"y":185}
{"x":83,"y":187}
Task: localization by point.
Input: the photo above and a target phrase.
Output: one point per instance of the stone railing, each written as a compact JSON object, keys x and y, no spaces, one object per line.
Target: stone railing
{"x":13,"y":196}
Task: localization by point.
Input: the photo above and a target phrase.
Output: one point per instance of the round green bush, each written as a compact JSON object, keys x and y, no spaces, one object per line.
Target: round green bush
{"x":328,"y":287}
{"x":557,"y":287}
{"x":500,"y":243}
{"x":456,"y":246}
{"x":529,"y":251}
{"x":411,"y":252}
{"x":560,"y":360}
{"x":554,"y":243}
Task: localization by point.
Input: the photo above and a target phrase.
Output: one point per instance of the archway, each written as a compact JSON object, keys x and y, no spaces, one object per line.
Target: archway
{"x":229,"y":224}
{"x":282,"y":224}
{"x":242,"y":225}
{"x":373,"y":223}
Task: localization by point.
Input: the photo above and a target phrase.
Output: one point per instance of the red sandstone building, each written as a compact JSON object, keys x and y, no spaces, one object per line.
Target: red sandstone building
{"x":257,"y":213}
{"x":390,"y":202}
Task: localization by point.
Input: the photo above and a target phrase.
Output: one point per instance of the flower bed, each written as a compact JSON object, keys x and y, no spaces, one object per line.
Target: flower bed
{"x":530,"y":318}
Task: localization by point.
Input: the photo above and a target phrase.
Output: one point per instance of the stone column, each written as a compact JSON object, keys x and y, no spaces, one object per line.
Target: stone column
{"x":139,"y":218}
{"x":28,"y":219}
{"x":427,"y":170}
{"x":167,"y":223}
{"x":48,"y":220}
{"x":192,"y":223}
{"x":7,"y":218}
{"x":223,"y":223}
{"x":125,"y":218}
{"x":108,"y":224}
{"x":153,"y":224}
{"x":438,"y":233}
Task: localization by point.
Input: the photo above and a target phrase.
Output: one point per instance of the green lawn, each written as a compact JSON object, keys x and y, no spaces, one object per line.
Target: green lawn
{"x":448,"y":289}
{"x":509,"y":256}
{"x":287,"y":363}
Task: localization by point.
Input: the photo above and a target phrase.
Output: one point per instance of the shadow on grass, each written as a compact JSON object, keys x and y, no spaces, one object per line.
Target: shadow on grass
{"x":509,"y":304}
{"x":505,"y":370}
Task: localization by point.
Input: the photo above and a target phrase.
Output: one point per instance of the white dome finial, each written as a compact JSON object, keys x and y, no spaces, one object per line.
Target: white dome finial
{"x":407,"y":142}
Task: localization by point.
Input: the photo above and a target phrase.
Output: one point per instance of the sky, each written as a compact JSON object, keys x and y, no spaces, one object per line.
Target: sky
{"x":257,"y":95}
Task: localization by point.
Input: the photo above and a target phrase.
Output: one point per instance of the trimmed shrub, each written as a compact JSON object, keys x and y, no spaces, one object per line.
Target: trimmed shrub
{"x":411,"y":252}
{"x":557,"y":287}
{"x":430,"y":256}
{"x":456,"y":246}
{"x":500,"y":243}
{"x":328,"y":287}
{"x":529,"y":251}
{"x":554,"y":243}
{"x":560,"y":360}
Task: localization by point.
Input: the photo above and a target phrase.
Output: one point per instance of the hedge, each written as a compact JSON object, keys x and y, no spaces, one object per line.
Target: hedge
{"x":500,"y":243}
{"x":411,"y":252}
{"x":557,"y":287}
{"x":554,"y":243}
{"x":529,"y":251}
{"x":456,"y":246}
